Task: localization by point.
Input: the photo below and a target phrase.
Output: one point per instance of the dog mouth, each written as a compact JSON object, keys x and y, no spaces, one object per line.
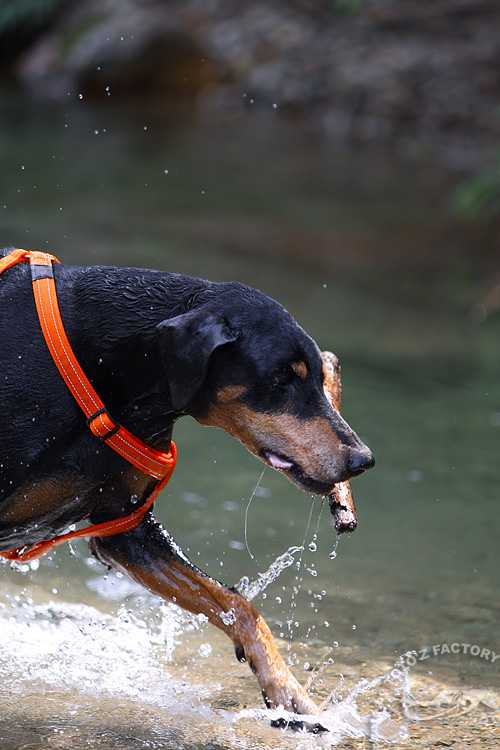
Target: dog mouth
{"x":295,"y":473}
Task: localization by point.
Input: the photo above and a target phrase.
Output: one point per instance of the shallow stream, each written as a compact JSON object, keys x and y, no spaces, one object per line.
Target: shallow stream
{"x":359,"y":248}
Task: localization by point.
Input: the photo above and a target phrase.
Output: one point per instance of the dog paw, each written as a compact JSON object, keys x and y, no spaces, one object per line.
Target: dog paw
{"x":284,"y":691}
{"x":296,"y":725}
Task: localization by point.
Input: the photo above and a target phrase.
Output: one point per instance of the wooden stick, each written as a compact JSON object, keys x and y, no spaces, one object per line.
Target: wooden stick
{"x":340,"y":499}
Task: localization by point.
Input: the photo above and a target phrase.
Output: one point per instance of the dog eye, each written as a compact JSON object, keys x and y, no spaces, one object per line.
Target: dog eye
{"x":283,"y":376}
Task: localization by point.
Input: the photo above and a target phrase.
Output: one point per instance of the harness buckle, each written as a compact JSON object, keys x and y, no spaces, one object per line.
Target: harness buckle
{"x":106,"y":427}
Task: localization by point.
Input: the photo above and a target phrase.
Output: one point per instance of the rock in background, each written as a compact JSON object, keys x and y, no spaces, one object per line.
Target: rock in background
{"x":419,"y":74}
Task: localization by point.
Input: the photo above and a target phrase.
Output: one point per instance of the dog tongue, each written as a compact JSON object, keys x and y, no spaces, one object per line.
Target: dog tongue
{"x":277,"y":462}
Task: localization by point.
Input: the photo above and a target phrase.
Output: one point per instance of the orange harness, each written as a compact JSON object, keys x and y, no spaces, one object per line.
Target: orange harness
{"x":102,"y":425}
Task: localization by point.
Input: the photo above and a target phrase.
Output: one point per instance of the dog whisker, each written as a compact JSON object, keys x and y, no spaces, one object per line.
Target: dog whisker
{"x":246,"y":512}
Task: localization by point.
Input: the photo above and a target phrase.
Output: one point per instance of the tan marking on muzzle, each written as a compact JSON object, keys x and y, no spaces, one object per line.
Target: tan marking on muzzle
{"x":310,"y":443}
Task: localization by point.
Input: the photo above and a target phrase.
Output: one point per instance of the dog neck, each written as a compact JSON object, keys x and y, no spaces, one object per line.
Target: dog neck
{"x":111,"y":321}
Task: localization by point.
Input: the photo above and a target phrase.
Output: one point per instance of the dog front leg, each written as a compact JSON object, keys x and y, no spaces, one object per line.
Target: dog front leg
{"x":150,"y":556}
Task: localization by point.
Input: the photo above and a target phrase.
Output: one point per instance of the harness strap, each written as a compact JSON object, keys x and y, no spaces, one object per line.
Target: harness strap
{"x":99,"y":420}
{"x":155,"y":463}
{"x":12,"y":258}
{"x":108,"y":528}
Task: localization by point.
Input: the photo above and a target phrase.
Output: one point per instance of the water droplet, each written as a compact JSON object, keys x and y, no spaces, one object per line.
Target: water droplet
{"x":333,"y":553}
{"x":228,"y":618}
{"x":414,"y":475}
{"x":313,"y":547}
{"x":205,"y":649}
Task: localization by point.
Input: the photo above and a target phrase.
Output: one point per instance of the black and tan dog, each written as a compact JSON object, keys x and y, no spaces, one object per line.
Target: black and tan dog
{"x":157,"y":346}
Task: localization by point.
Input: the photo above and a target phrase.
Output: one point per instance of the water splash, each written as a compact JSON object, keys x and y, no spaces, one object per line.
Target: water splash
{"x":88,"y":658}
{"x":250,"y":589}
{"x":342,"y":718}
{"x":64,"y":644}
{"x":299,"y":578}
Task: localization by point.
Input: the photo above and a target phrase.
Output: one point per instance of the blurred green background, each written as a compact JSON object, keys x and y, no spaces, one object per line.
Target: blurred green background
{"x":332,"y":155}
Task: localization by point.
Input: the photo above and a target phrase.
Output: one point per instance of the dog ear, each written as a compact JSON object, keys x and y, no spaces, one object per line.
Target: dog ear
{"x":186,"y":343}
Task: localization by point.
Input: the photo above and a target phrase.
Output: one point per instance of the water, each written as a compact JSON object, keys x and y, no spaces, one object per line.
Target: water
{"x":133,"y":664}
{"x":358,"y":248}
{"x":250,"y":589}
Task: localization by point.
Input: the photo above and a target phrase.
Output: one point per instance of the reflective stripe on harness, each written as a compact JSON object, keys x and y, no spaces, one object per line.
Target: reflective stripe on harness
{"x":102,"y":425}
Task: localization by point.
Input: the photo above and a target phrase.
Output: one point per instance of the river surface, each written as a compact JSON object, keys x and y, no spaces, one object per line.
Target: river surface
{"x":398,"y":633}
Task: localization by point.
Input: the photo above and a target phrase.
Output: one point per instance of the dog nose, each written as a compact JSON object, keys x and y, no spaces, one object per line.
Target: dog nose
{"x":360,"y":462}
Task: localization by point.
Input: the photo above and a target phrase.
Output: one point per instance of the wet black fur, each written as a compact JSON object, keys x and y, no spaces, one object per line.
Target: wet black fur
{"x":155,"y":345}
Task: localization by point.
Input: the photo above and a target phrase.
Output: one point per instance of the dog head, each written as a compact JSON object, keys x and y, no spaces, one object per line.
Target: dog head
{"x":243,"y":364}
